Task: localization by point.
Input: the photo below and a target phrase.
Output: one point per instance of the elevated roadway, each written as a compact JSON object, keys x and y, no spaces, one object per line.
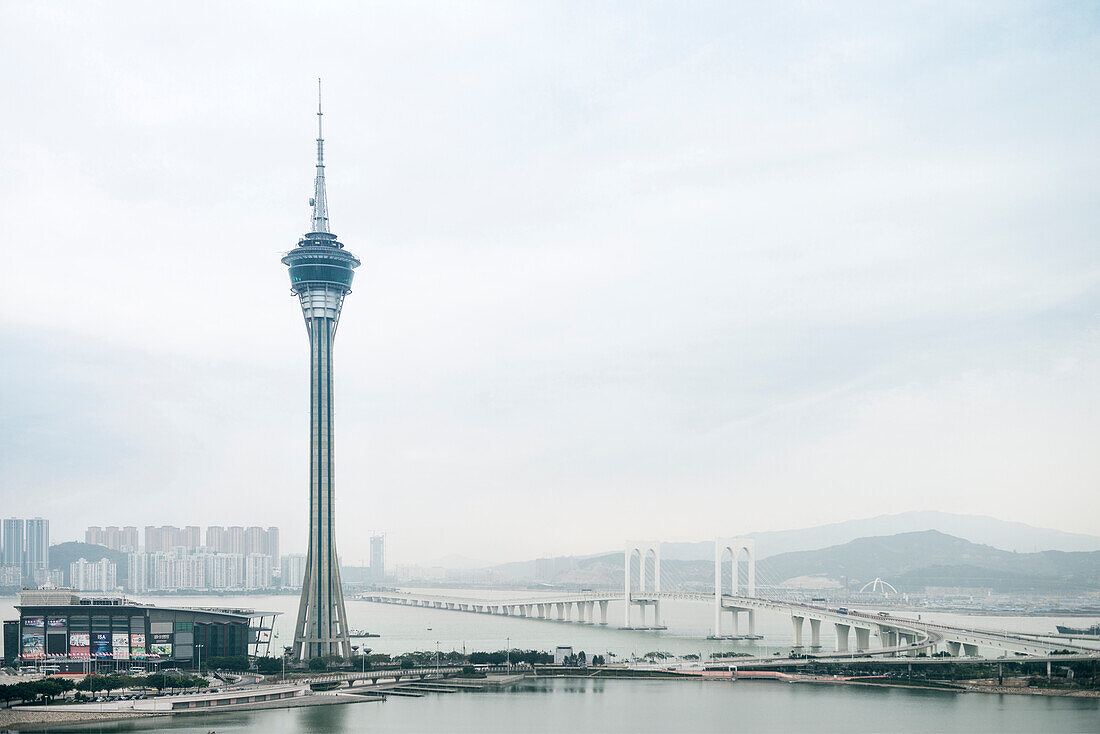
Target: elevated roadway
{"x":897,"y":635}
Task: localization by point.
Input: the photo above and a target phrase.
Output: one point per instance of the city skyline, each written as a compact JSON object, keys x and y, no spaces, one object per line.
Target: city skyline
{"x":867,"y":275}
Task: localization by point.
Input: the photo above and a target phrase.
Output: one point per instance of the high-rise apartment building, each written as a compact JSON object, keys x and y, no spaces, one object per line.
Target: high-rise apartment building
{"x":292,"y":569}
{"x":216,"y":539}
{"x":137,"y":572}
{"x":377,"y":557}
{"x":154,"y":539}
{"x":36,"y":554}
{"x":191,"y":537}
{"x":257,"y":571}
{"x":98,"y":575}
{"x":235,"y":542}
{"x":13,"y":542}
{"x":273,"y":546}
{"x":121,"y":539}
{"x":255,"y":540}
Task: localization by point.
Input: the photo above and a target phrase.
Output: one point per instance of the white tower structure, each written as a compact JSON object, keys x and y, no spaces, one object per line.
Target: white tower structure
{"x":321,"y":271}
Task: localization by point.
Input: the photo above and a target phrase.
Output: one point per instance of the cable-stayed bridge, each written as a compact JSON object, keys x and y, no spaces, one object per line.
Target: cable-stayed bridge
{"x":737,"y":595}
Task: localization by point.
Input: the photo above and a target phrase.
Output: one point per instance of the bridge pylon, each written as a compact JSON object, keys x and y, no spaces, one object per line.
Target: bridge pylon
{"x":649,"y":553}
{"x":735,"y":546}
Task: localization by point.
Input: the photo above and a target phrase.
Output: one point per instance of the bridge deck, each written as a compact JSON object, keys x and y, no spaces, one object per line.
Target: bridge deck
{"x":929,"y":634}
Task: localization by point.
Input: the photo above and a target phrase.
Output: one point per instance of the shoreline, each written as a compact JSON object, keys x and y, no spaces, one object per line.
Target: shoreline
{"x":29,"y":718}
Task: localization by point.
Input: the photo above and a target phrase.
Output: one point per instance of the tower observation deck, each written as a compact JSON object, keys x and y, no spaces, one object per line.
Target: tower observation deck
{"x":321,"y":271}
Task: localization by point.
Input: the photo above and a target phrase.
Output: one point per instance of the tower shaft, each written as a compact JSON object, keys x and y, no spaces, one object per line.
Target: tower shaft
{"x":322,"y":628}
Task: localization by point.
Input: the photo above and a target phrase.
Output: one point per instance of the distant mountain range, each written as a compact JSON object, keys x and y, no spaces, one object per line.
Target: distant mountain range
{"x":909,"y":561}
{"x":979,"y":529}
{"x":62,"y":554}
{"x":930,"y":558}
{"x":1009,"y":536}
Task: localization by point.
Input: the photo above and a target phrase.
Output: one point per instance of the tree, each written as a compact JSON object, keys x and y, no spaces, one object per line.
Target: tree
{"x":156,"y":680}
{"x":92,"y":683}
{"x":50,"y":688}
{"x":268,"y":665}
{"x":116,"y":682}
{"x":598,"y":660}
{"x":8,"y":693}
{"x":317,"y":665}
{"x":24,"y":692}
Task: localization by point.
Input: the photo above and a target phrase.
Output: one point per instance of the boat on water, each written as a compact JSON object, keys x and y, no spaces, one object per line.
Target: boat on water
{"x":361,"y":633}
{"x":1093,"y":630}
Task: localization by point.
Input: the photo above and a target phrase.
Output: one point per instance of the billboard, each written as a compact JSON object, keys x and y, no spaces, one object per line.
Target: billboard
{"x":120,"y":645}
{"x":55,"y":622}
{"x":34,"y":645}
{"x":101,"y":644}
{"x":162,"y":645}
{"x":137,"y":646}
{"x":80,"y":645}
{"x":34,"y":621}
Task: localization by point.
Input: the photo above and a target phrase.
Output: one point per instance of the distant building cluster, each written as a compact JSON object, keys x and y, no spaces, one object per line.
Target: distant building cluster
{"x":25,"y":552}
{"x":180,"y":570}
{"x":233,"y":558}
{"x":162,"y":558}
{"x":233,"y":539}
{"x":101,"y":575}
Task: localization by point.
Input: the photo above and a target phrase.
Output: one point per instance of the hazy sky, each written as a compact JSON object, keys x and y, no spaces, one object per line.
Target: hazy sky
{"x":629,"y":271}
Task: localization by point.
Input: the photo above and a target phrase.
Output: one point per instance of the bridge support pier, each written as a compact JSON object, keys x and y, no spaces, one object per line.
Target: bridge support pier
{"x":971,"y":651}
{"x":603,"y":612}
{"x":887,"y":637}
{"x":559,"y":609}
{"x":815,"y":633}
{"x":841,"y":636}
{"x":954,"y":648}
{"x":796,"y":622}
{"x":863,"y":638}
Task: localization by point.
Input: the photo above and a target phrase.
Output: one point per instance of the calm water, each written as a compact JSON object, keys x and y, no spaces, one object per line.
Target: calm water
{"x":583,"y":705}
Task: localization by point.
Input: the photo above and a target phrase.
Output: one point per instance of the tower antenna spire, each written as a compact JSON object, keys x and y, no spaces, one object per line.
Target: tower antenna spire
{"x":320,"y":196}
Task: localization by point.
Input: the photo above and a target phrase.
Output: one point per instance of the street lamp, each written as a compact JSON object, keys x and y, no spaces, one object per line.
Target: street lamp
{"x":199,"y":648}
{"x":508,"y":651}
